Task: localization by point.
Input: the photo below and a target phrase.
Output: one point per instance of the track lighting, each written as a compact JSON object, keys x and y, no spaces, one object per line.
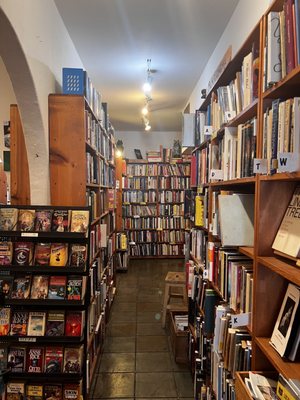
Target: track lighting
{"x":147,"y":90}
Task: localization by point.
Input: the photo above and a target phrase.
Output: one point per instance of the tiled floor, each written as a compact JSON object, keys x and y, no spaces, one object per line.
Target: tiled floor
{"x":137,"y":362}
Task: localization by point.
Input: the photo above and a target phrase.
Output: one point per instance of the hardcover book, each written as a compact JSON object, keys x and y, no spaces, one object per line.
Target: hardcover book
{"x":36,"y":323}
{"x":78,"y":255}
{"x":55,"y":325}
{"x":39,"y":287}
{"x":6,"y":252}
{"x":34,"y":392}
{"x":72,"y":360}
{"x":43,"y":220}
{"x":53,"y":360}
{"x":79,"y":221}
{"x":60,"y":221}
{"x":58,"y":254}
{"x":26,"y":220}
{"x":6,"y":286}
{"x":42,"y":253}
{"x":16,"y":359}
{"x":57,"y":287}
{"x":23,"y":253}
{"x":19,"y":323}
{"x":71,"y":391}
{"x":74,"y":323}
{"x":15,"y":391}
{"x":4,"y":321}
{"x":35,"y":360}
{"x":75,"y":287}
{"x":8,"y":219}
{"x":53,"y":392}
{"x":21,"y":287}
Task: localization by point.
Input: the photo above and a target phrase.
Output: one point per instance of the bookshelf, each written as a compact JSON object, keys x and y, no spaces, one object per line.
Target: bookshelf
{"x":153,"y":207}
{"x":83,"y":173}
{"x":215,"y":170}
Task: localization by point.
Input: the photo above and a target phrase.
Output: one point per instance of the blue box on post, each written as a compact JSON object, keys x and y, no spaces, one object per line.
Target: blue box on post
{"x":73,"y":81}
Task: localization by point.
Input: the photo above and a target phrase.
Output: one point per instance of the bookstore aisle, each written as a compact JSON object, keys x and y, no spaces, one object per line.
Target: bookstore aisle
{"x":137,"y":362}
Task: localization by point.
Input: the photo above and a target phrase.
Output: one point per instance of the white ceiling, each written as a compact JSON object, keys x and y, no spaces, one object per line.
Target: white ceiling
{"x":114,"y":39}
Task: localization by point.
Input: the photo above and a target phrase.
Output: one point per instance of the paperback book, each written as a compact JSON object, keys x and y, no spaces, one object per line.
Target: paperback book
{"x":26,"y":220}
{"x":19,"y":323}
{"x":60,"y":221}
{"x":42,"y":253}
{"x":23,"y":253}
{"x":15,"y":391}
{"x":43,"y":220}
{"x":79,"y":221}
{"x":58,"y":254}
{"x":53,"y":392}
{"x":75,"y":287}
{"x":6,"y":286}
{"x":57,"y":287}
{"x":21,"y":287}
{"x":53,"y":360}
{"x":39,"y":287}
{"x":8,"y":219}
{"x":35,"y":360}
{"x":55,"y":325}
{"x":74,"y":323}
{"x":36,"y":323}
{"x":16,"y":359}
{"x":72,"y":360}
{"x":78,"y":255}
{"x":34,"y":392}
{"x":4,"y":321}
{"x":3,"y":357}
{"x":71,"y":391}
{"x":6,"y":253}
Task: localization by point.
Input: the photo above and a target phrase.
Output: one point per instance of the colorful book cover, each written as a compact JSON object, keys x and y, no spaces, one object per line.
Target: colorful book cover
{"x":35,"y":360}
{"x":60,"y":221}
{"x":79,"y":221}
{"x":58,"y":254}
{"x":43,"y":220}
{"x":55,"y":325}
{"x":74,"y":323}
{"x":53,"y":360}
{"x":15,"y":391}
{"x":42,"y":253}
{"x":6,"y":253}
{"x":75,"y":287}
{"x":72,"y":360}
{"x":4,"y":321}
{"x":8,"y":219}
{"x":34,"y":392}
{"x":53,"y":392}
{"x":26,"y":220}
{"x":21,"y":287}
{"x":19,"y":323}
{"x":6,"y":286}
{"x":16,"y":359}
{"x":39,"y":287}
{"x":78,"y":255}
{"x":71,"y":391}
{"x":57,"y":287}
{"x":36,"y":323}
{"x":23,"y":253}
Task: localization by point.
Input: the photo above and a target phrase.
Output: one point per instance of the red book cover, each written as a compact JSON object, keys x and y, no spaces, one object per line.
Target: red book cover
{"x":193,"y":171}
{"x":57,"y":287}
{"x":35,"y":360}
{"x":42,"y":253}
{"x":23,"y":253}
{"x":19,"y":323}
{"x":290,"y":55}
{"x":53,"y":360}
{"x":74,"y":323}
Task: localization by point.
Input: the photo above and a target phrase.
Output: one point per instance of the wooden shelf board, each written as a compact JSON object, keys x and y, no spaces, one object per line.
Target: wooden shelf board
{"x":286,"y":368}
{"x":241,"y":181}
{"x":283,"y":176}
{"x":287,"y":87}
{"x":246,"y":114}
{"x":137,"y":257}
{"x":285,"y":268}
{"x":248,"y":251}
{"x":93,"y":185}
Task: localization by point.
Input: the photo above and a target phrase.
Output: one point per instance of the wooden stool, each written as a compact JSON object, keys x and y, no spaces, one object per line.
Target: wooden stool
{"x":175,"y":286}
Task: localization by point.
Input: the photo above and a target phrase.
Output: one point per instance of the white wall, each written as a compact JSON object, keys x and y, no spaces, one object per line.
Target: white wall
{"x":242,"y":22}
{"x":146,"y":141}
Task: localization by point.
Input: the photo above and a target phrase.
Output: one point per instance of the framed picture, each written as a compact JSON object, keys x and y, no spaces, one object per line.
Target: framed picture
{"x":138,"y":154}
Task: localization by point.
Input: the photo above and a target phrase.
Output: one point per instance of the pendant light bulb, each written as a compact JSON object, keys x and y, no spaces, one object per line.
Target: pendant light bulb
{"x":145,"y":110}
{"x":147,"y":87}
{"x":147,"y":127}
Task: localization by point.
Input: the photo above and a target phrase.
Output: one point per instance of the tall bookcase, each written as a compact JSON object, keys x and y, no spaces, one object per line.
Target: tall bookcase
{"x":228,"y":139}
{"x":82,"y":172}
{"x":153,"y":207}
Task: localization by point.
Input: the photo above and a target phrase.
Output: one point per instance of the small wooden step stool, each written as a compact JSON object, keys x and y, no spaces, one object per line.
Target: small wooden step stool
{"x":175,"y":286}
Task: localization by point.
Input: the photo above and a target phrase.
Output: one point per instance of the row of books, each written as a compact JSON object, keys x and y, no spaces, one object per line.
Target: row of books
{"x":96,"y":136}
{"x":139,"y":210}
{"x":98,"y":171}
{"x":173,"y":182}
{"x":138,"y":196}
{"x":48,"y":360}
{"x":52,"y":323}
{"x":196,"y":207}
{"x":143,"y":183}
{"x":20,"y":390}
{"x":141,"y":169}
{"x":43,"y":254}
{"x":172,"y":236}
{"x":198,"y":244}
{"x":172,"y":223}
{"x":156,"y":249}
{"x":41,"y":220}
{"x":170,"y":196}
{"x":41,"y":287}
{"x":171,"y":210}
{"x":174,"y":170}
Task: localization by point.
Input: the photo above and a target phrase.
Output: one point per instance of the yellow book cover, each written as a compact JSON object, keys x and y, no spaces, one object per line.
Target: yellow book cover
{"x":199,"y":221}
{"x":79,"y":221}
{"x":58,"y":255}
{"x":123,"y":242}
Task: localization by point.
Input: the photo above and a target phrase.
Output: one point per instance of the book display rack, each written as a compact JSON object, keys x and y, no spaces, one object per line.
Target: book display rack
{"x":153,"y":207}
{"x":241,"y":281}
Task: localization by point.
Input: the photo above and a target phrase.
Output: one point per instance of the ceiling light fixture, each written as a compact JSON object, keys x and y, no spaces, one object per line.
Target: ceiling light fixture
{"x":147,"y":90}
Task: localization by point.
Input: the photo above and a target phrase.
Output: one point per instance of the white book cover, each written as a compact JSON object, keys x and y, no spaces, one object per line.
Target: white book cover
{"x":274,"y":51}
{"x":284,"y":324}
{"x":229,"y":135}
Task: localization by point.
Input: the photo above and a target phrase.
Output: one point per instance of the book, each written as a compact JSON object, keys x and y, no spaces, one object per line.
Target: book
{"x":72,"y":360}
{"x":15,"y":391}
{"x":35,"y":360}
{"x":19,"y":323}
{"x":6,"y":286}
{"x":71,"y":391}
{"x":16,"y":359}
{"x":57,"y":287}
{"x":74,"y":323}
{"x":53,"y":360}
{"x":21,"y":287}
{"x":60,"y":221}
{"x":3,"y":357}
{"x":79,"y":221}
{"x":78,"y":255}
{"x":55,"y":325}
{"x":76,"y":287}
{"x":8,"y":219}
{"x":285,"y":325}
{"x":42,"y":253}
{"x":53,"y":392}
{"x":36,"y":323}
{"x":43,"y":220}
{"x":58,"y":254}
{"x":26,"y":220}
{"x":6,"y":253}
{"x":34,"y":392}
{"x":274,"y":52}
{"x":4,"y":321}
{"x":287,"y":239}
{"x":23,"y":253}
{"x":39,"y":287}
